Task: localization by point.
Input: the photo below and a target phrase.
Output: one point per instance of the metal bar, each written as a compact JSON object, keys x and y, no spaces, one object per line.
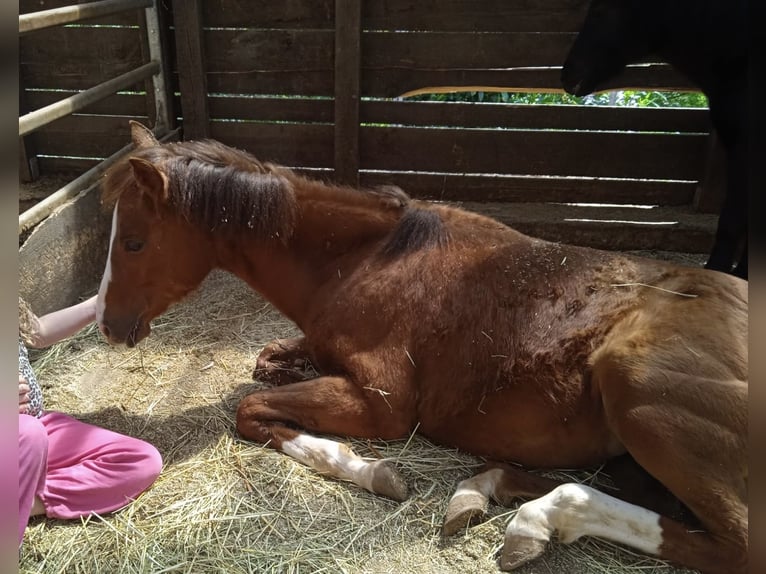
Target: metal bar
{"x":43,"y":209}
{"x":35,"y":120}
{"x":68,"y":14}
{"x":159,"y":80}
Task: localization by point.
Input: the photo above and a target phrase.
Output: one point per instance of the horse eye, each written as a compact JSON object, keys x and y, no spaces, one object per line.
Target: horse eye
{"x":133,"y":245}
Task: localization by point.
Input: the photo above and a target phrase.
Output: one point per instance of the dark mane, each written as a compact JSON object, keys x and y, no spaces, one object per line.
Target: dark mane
{"x":417,"y":229}
{"x":217,"y":186}
{"x":227,"y":189}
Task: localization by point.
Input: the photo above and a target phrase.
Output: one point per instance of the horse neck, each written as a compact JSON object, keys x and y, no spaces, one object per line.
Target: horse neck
{"x":335,"y":228}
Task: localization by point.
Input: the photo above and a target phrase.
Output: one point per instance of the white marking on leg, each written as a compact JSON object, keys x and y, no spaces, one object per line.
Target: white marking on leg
{"x":106,"y":279}
{"x":331,"y":458}
{"x":482,"y":484}
{"x":576,"y":510}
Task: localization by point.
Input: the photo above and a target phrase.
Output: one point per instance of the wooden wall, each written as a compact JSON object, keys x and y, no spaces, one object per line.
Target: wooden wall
{"x":316,"y":85}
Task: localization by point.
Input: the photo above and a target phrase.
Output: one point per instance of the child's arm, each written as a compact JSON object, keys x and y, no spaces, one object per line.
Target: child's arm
{"x":60,"y":324}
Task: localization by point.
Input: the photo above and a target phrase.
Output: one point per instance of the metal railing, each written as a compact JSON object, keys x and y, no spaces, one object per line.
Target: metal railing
{"x":153,"y":69}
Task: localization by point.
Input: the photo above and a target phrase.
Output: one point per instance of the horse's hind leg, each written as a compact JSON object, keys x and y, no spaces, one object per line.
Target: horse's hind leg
{"x":496,"y":481}
{"x":331,"y":405}
{"x":504,"y":484}
{"x":284,"y":361}
{"x":688,"y":432}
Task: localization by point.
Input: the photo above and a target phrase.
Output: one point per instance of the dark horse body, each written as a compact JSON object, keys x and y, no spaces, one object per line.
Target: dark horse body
{"x":706,"y":40}
{"x":420,"y":316}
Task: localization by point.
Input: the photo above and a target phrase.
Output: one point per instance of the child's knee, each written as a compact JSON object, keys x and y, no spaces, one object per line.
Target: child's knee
{"x":151,"y":463}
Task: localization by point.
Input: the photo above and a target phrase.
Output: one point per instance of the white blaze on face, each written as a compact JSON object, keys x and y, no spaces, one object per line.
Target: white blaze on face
{"x":106,"y":279}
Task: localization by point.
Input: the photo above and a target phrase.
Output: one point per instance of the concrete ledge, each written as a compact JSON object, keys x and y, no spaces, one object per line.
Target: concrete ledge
{"x":63,"y":258}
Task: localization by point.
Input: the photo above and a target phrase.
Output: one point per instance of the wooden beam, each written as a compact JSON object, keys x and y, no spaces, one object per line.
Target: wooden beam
{"x":160,"y":107}
{"x":29,"y":169}
{"x":712,"y":186}
{"x":347,"y":72}
{"x":191,"y":68}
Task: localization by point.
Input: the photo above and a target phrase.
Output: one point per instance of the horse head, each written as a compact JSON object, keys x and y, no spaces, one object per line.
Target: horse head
{"x":153,"y":258}
{"x":615,"y":33}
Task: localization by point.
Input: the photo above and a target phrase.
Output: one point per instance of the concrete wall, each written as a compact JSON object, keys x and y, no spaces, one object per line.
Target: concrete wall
{"x":63,"y":259}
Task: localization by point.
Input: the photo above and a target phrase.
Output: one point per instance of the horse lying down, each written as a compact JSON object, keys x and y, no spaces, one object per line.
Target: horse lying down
{"x":419,"y":315}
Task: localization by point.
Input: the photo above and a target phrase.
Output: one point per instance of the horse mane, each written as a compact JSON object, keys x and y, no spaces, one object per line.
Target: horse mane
{"x":417,"y":229}
{"x":229,"y":190}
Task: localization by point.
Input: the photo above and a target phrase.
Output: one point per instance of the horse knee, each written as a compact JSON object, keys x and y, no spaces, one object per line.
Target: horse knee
{"x":248,"y":421}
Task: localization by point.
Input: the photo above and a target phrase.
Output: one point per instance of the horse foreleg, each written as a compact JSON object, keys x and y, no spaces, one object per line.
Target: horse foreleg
{"x":499,"y":482}
{"x":284,"y":361}
{"x":331,"y":405}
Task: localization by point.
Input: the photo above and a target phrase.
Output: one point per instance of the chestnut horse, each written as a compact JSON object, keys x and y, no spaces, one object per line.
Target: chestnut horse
{"x":425,"y":317}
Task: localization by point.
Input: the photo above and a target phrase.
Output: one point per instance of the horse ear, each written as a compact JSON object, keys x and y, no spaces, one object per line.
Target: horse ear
{"x":152,"y":180}
{"x":141,"y":135}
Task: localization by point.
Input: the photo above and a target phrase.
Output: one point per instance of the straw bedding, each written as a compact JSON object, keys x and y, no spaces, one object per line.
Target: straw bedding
{"x":223,"y":505}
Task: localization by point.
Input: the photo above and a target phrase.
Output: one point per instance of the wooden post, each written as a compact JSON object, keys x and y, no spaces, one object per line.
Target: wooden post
{"x":191,"y":68}
{"x":711,"y":190}
{"x":347,"y":71}
{"x":28,"y":167}
{"x":168,"y":121}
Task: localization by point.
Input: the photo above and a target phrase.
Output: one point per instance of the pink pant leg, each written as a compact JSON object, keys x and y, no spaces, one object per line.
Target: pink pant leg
{"x":33,"y":452}
{"x":91,"y":469}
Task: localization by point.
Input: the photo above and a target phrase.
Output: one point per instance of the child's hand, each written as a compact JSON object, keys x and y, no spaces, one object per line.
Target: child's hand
{"x":23,"y":395}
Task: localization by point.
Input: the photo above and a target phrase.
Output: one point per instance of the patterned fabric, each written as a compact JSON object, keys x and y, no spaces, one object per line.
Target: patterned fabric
{"x":35,"y":393}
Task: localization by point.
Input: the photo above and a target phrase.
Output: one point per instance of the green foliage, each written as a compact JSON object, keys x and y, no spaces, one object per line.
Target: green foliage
{"x":627,"y":98}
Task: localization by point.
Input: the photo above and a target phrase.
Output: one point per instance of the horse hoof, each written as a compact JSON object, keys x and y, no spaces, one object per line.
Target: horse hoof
{"x":464,"y":510}
{"x":386,"y":481}
{"x":518,"y":550}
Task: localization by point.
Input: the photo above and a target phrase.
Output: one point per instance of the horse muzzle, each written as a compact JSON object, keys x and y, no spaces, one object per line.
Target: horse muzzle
{"x":127,"y":331}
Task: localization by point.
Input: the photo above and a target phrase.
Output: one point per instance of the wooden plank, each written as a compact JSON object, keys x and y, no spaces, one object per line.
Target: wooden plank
{"x":285,"y":82}
{"x":293,"y":62}
{"x":84,"y":136}
{"x":271,"y":109}
{"x":394,"y":82}
{"x":347,"y":59}
{"x":77,"y":58}
{"x":471,"y":15}
{"x":669,"y":229}
{"x":508,"y":188}
{"x":192,"y":82}
{"x":254,"y":51}
{"x":293,"y":145}
{"x":592,"y":154}
{"x":306,"y":14}
{"x":478,"y":115}
{"x":462,"y":51}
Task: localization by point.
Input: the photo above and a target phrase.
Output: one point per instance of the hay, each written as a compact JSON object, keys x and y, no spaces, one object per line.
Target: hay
{"x":222,"y":505}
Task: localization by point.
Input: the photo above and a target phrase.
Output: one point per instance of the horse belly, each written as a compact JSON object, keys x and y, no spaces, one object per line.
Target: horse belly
{"x":529,"y":430}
